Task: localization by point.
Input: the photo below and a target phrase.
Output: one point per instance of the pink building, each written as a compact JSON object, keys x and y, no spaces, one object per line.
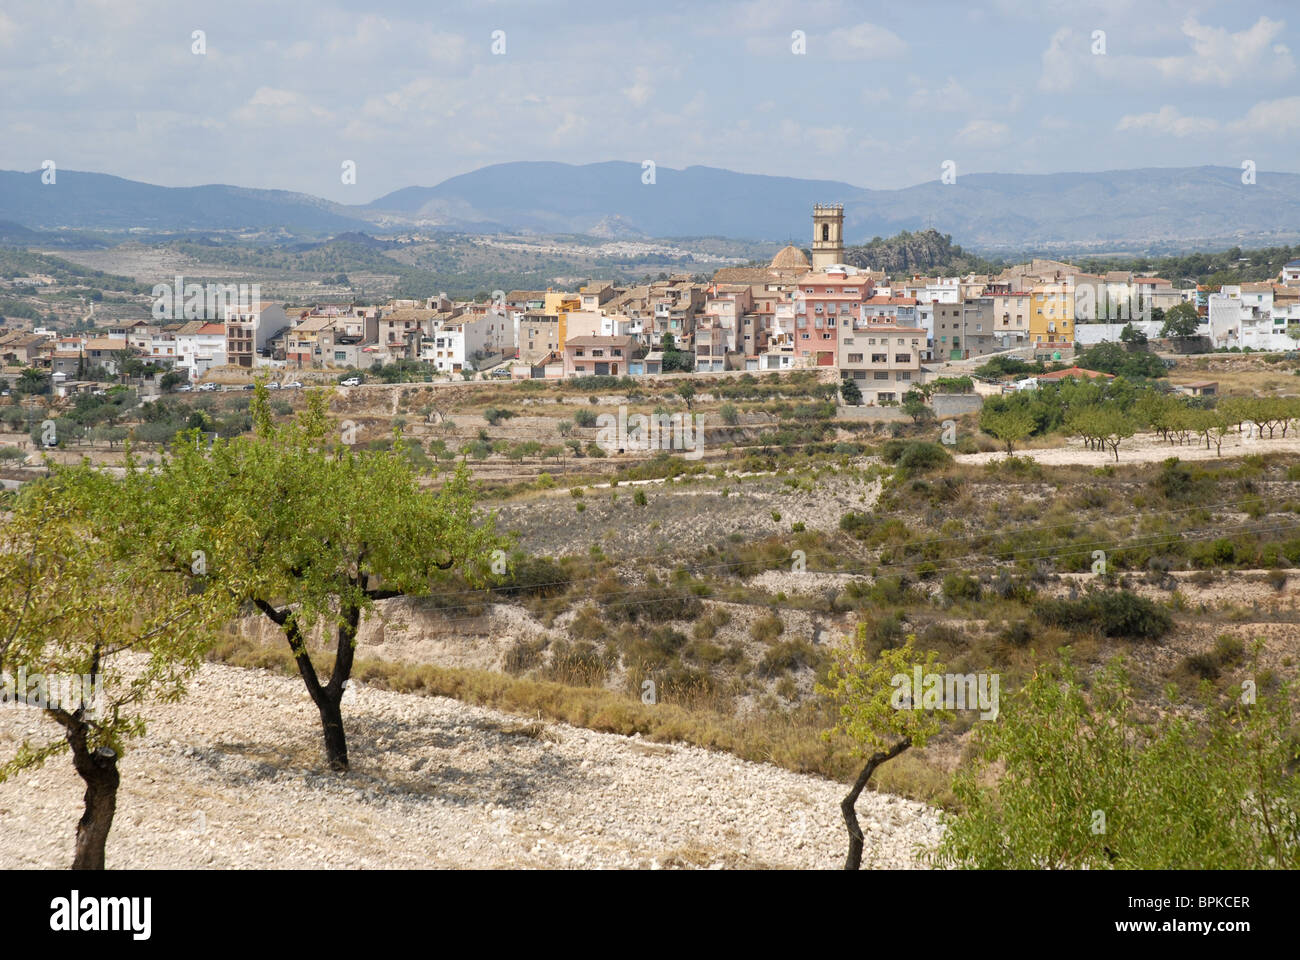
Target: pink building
{"x":824,"y":301}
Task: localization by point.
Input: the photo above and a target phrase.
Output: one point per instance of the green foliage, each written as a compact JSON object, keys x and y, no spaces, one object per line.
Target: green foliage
{"x":1180,"y":321}
{"x":862,"y":687}
{"x":1011,"y":425}
{"x":1086,"y":784}
{"x":1115,"y":359}
{"x":1111,"y":613}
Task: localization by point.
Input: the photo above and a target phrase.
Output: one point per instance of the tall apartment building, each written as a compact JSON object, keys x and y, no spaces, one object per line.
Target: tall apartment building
{"x":884,"y":359}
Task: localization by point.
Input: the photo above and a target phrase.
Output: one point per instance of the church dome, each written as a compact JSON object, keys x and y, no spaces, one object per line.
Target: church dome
{"x":790,"y":258}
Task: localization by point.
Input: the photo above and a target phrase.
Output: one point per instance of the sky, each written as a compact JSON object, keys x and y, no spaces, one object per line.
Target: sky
{"x":880,"y":95}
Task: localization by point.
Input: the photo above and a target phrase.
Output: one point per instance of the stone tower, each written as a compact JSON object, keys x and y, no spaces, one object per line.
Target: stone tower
{"x":828,"y":235}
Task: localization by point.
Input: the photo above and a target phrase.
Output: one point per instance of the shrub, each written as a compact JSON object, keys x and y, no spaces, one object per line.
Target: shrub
{"x":1117,"y":613}
{"x":766,"y":629}
{"x":787,"y":656}
{"x":960,"y":586}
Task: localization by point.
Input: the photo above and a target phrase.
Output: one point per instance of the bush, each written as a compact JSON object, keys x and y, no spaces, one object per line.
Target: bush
{"x":584,"y":418}
{"x":915,"y":456}
{"x":960,"y":586}
{"x":1117,"y":613}
{"x":766,"y":629}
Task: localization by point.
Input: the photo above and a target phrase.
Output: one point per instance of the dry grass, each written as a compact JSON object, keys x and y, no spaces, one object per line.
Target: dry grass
{"x":793,"y":740}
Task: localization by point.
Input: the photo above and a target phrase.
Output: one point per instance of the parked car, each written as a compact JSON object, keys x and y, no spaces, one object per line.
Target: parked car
{"x":208,"y":387}
{"x":293,"y":385}
{"x":249,"y":386}
{"x":185,"y":388}
{"x":273,"y":385}
{"x":500,"y":372}
{"x":352,"y":382}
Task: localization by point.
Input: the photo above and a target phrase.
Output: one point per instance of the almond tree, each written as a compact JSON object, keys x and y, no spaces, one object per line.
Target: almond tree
{"x":864,"y":688}
{"x":1010,"y":425}
{"x":331,"y":532}
{"x":96,"y":626}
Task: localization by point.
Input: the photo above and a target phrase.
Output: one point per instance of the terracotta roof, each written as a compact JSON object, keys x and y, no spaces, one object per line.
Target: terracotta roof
{"x":790,"y":257}
{"x":1077,"y":372}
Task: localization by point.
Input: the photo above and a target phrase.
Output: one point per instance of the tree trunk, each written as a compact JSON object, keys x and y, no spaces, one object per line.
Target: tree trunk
{"x":328,"y":698}
{"x":854,"y":859}
{"x":336,"y":743}
{"x":98,"y":769}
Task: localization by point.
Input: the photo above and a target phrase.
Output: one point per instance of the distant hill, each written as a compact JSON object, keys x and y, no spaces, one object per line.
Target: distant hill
{"x":550,"y":197}
{"x":97,"y":201}
{"x":1155,"y":210}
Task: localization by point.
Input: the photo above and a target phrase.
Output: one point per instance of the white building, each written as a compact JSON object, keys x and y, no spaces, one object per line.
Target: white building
{"x":200,"y":347}
{"x":452,"y":345}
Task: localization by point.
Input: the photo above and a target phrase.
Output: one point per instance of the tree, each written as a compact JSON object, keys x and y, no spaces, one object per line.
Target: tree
{"x":915,"y":407}
{"x":1181,"y":321}
{"x":865,"y":691}
{"x":851,"y":392}
{"x":328,"y":533}
{"x":172,"y":378}
{"x":1104,"y":426}
{"x":686,"y":391}
{"x":1087,"y":783}
{"x":1133,"y":336}
{"x":1010,"y":425}
{"x":34,"y":381}
{"x":107,"y":626}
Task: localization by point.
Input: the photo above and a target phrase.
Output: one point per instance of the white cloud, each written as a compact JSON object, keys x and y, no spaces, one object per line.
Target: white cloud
{"x":983,"y":133}
{"x":640,"y":91}
{"x":1222,"y":58}
{"x":952,"y":97}
{"x":1169,"y":121}
{"x":1270,"y":117}
{"x":272,"y":106}
{"x":872,"y":96}
{"x":865,"y":41}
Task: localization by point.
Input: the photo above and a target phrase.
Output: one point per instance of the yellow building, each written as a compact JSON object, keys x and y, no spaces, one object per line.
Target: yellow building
{"x":560,"y":304}
{"x":1051,"y":313}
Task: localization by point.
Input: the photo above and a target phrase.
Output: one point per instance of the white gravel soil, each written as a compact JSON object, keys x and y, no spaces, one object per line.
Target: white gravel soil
{"x":233,"y":777}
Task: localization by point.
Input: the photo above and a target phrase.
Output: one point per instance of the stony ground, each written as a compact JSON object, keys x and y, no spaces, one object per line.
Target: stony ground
{"x":1144,"y":448}
{"x":232,"y":777}
{"x":681,"y":516}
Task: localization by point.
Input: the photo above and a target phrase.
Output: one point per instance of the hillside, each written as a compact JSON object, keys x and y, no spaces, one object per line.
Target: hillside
{"x":231,"y":779}
{"x":1150,"y":211}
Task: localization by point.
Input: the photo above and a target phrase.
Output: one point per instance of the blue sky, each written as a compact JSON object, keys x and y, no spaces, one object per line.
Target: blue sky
{"x":412,"y":92}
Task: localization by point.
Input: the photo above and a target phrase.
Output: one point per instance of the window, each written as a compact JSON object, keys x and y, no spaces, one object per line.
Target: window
{"x":902,"y":358}
{"x":855,"y":358}
{"x":880,"y":358}
{"x":881,"y":375}
{"x":904,"y":374}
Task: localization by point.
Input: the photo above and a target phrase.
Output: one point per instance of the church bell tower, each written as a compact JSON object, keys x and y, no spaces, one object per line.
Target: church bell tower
{"x":828,"y":235}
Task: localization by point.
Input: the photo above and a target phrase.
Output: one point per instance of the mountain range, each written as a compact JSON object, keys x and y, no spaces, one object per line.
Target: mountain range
{"x":1156,"y":209}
